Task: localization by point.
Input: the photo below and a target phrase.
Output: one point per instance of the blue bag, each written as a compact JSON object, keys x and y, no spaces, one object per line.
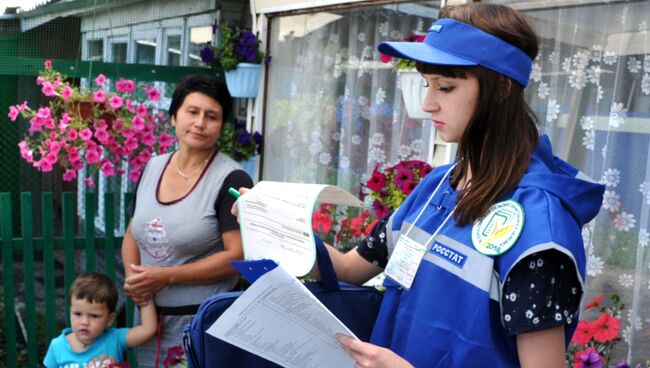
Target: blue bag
{"x":356,"y":306}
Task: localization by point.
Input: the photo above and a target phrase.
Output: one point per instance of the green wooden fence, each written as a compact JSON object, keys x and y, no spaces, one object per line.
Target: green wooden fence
{"x":43,"y":248}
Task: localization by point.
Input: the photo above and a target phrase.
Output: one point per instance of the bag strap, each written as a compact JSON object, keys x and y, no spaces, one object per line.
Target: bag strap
{"x":327,"y":274}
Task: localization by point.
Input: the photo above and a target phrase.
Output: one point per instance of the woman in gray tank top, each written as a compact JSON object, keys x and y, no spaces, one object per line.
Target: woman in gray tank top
{"x":178,"y":246}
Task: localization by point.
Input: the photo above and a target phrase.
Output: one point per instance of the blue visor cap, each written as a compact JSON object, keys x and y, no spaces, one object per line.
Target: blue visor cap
{"x":453,"y":43}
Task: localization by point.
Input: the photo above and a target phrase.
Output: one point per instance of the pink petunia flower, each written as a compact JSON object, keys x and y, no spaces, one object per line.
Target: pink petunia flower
{"x":69,"y":175}
{"x":107,"y":167}
{"x":92,"y":156}
{"x":86,"y":134}
{"x":137,"y":123}
{"x":142,"y":110}
{"x":153,"y":94}
{"x":48,"y":64}
{"x":66,"y":93}
{"x":43,"y":165}
{"x":13,"y":113}
{"x":125,"y":86}
{"x":72,"y":135}
{"x":64,"y":121}
{"x":115,"y":101}
{"x":48,"y":89}
{"x":99,"y":96}
{"x":100,"y":80}
{"x":134,"y":175}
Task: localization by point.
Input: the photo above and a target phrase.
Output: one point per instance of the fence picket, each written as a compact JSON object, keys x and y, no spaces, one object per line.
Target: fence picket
{"x":29,"y":276}
{"x":89,"y":231}
{"x":48,"y":266}
{"x":8,"y":280}
{"x":69,"y":272}
{"x":109,"y":233}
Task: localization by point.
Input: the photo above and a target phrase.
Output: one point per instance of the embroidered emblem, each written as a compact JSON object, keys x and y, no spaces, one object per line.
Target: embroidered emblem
{"x":499,"y":230}
{"x":156,"y":243}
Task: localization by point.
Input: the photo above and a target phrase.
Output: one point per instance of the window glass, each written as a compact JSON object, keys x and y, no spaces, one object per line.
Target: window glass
{"x":145,"y":51}
{"x":96,"y":50}
{"x":118,"y":51}
{"x":174,"y":50}
{"x":333,"y":107}
{"x":199,"y":36}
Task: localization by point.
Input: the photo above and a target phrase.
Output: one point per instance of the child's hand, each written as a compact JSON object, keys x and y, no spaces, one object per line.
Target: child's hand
{"x":144,"y":302}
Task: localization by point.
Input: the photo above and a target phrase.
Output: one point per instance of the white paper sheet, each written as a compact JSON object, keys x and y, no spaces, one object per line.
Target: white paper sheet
{"x":279,"y":319}
{"x":275,"y":220}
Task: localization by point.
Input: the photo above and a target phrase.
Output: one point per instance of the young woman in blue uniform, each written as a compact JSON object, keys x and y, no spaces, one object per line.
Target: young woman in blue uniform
{"x":485,"y":261}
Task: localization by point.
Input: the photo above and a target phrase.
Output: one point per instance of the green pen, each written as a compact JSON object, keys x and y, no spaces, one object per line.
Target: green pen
{"x":234,"y":192}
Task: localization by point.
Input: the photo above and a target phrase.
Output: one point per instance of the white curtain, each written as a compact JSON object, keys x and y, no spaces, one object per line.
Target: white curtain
{"x":590,"y":88}
{"x":332,"y":108}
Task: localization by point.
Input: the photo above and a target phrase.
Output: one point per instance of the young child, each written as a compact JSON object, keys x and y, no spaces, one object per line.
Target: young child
{"x":90,"y":341}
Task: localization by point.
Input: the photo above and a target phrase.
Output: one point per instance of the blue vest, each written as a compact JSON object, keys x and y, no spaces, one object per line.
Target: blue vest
{"x":451,"y":315}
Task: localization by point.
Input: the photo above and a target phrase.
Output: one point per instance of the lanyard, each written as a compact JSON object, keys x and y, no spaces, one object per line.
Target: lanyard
{"x":427,"y":205}
{"x":407,"y":255}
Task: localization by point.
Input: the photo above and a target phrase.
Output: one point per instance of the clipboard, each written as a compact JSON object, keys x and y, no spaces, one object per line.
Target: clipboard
{"x":253,"y":270}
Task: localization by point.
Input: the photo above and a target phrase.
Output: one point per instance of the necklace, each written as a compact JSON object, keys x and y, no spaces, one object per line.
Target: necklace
{"x":186,"y":176}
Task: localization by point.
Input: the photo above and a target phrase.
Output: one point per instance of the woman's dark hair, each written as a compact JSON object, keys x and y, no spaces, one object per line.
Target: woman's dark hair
{"x":205,"y":84}
{"x":496,"y":145}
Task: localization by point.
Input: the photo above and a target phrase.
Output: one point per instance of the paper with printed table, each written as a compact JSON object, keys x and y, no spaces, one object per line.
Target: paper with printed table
{"x":275,"y":221}
{"x":278,"y":319}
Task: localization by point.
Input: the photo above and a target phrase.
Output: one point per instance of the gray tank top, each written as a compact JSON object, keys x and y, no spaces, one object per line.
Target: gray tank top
{"x":182,"y":231}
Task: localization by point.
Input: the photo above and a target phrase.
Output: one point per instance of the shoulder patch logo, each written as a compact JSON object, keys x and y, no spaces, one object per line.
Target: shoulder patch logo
{"x":499,"y":230}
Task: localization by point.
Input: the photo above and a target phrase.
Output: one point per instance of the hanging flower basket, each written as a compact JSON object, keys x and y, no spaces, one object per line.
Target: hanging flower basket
{"x":413,"y":92}
{"x":245,"y":80}
{"x":249,"y":166}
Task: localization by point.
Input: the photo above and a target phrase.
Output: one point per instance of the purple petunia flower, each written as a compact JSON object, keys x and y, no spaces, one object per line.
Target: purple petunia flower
{"x":244,"y":138}
{"x":257,"y":137}
{"x":591,"y":360}
{"x":207,"y":54}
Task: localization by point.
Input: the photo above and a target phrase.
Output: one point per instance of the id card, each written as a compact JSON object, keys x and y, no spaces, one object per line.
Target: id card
{"x":405,"y":260}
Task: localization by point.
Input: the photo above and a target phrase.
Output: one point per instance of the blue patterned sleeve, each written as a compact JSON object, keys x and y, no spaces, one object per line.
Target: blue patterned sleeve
{"x":542,"y":291}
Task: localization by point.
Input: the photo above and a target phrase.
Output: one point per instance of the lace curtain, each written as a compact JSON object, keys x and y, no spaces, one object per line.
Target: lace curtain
{"x":332,"y":110}
{"x":590,"y":88}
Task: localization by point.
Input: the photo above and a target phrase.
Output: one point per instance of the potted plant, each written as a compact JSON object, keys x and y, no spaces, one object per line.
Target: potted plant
{"x":411,"y":82}
{"x":238,"y":54}
{"x":237,"y":142}
{"x":99,"y":129}
{"x":389,"y":187}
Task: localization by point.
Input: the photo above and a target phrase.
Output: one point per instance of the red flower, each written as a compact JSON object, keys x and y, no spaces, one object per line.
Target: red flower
{"x":377,"y":181}
{"x":584,"y":333}
{"x":595,"y":303}
{"x":380,"y":209}
{"x":321,"y":221}
{"x":370,"y":227}
{"x":385,"y":58}
{"x":408,"y":186}
{"x":356,"y":226}
{"x":606,"y":328}
{"x":402,"y":175}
